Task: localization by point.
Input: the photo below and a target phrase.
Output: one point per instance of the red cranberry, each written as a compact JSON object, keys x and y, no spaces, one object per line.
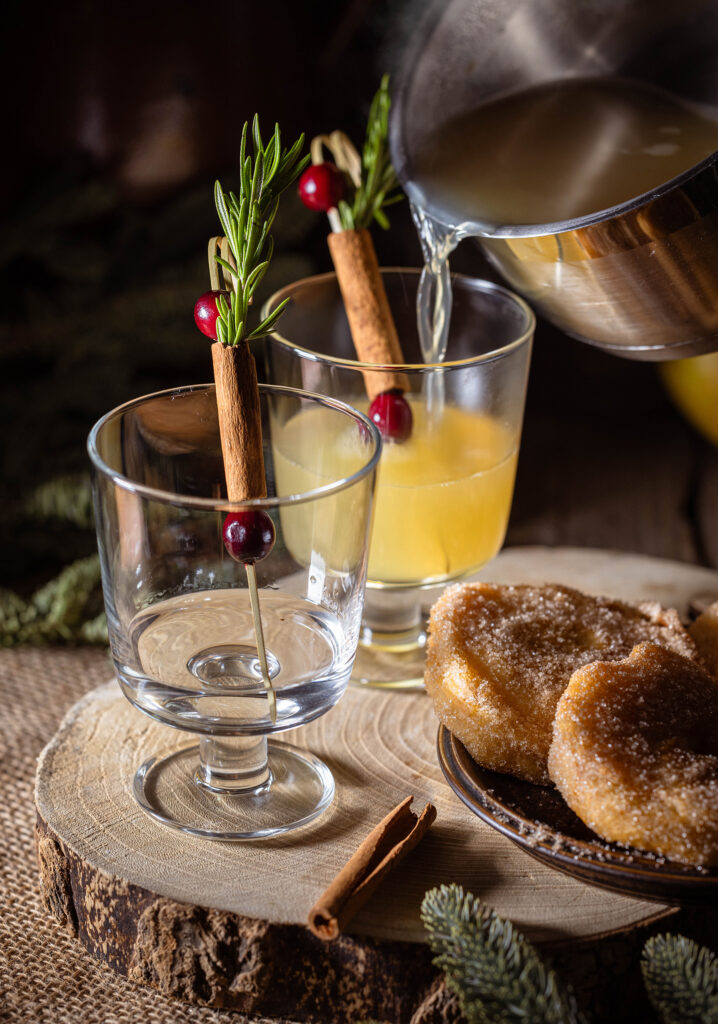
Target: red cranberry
{"x":321,"y":187}
{"x":248,"y":535}
{"x":392,"y":414}
{"x":205,"y":312}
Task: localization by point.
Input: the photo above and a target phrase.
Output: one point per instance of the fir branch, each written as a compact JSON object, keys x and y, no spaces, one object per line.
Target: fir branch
{"x":681,"y":979}
{"x":66,"y":609}
{"x":66,"y":497}
{"x":378,"y":177}
{"x":496,"y":973}
{"x":246,"y":221}
{"x":57,"y":612}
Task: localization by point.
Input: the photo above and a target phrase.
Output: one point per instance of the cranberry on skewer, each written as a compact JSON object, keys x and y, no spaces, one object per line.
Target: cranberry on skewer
{"x":248,"y":535}
{"x":321,"y":187}
{"x":391,"y":412}
{"x":205,"y":312}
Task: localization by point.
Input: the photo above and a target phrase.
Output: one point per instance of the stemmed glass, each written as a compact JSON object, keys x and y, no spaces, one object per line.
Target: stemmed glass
{"x":182,"y":633}
{"x":444,"y":494}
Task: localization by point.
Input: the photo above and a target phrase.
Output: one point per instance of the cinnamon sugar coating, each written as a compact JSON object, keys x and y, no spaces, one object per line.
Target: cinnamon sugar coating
{"x":635,"y":753}
{"x":705,"y":635}
{"x":499,"y":658}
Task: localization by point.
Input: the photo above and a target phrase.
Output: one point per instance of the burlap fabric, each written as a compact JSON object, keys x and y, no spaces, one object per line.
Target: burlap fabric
{"x":45,"y":976}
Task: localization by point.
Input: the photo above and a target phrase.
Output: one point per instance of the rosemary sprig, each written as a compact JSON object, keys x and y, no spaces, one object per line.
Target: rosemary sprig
{"x":379,"y":182}
{"x":246,"y":220}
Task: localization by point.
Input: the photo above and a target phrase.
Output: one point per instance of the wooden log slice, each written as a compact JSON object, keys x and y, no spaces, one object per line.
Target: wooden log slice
{"x":223,"y":923}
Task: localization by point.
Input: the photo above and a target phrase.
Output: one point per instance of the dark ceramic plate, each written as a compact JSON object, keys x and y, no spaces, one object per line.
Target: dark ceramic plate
{"x":537,"y":819}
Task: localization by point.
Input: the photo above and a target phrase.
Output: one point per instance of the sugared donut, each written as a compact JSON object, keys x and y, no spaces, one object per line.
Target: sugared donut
{"x":499,"y":658}
{"x":635,"y":753}
{"x":705,"y":636}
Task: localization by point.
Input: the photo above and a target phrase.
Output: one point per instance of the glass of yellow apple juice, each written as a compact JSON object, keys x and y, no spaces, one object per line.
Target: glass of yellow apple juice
{"x":444,"y":492}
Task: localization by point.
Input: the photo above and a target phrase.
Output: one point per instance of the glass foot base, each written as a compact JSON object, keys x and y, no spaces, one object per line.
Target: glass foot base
{"x":390,"y":669}
{"x":299,"y":789}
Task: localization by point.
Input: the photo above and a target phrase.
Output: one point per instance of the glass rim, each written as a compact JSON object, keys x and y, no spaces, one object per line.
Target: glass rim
{"x":463,"y":280}
{"x":224,"y":504}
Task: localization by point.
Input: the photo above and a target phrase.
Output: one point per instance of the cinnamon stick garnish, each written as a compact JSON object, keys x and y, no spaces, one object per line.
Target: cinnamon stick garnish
{"x":392,"y":839}
{"x":370,"y":321}
{"x":240,"y":420}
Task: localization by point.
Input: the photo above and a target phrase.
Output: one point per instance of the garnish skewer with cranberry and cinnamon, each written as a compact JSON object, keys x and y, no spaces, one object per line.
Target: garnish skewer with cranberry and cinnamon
{"x":222,"y":314}
{"x":327,"y":187}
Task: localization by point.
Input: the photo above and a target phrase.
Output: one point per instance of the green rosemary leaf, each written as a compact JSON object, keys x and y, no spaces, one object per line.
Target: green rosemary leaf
{"x":243,"y":152}
{"x":257,"y":179}
{"x":267,"y":325}
{"x":271,"y":212}
{"x":293,"y":153}
{"x":497,"y":974}
{"x":681,"y":979}
{"x":269,"y":161}
{"x":256,"y":276}
{"x":223,"y":263}
{"x":264,"y":231}
{"x":242,"y":226}
{"x":257,"y":138}
{"x":221,"y":208}
{"x":289,"y":169}
{"x":275,"y":146}
{"x":381,"y":218}
{"x":245,"y":175}
{"x":346,"y":215}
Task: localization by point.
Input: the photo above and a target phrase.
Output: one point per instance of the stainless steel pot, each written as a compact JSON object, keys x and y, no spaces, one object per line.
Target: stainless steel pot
{"x":639,"y":279}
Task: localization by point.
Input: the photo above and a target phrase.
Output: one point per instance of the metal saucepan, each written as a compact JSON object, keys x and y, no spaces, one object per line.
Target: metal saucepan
{"x":641,"y":278}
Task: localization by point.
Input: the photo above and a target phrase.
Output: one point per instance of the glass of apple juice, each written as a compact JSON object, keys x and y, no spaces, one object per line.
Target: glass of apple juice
{"x":446,"y":479}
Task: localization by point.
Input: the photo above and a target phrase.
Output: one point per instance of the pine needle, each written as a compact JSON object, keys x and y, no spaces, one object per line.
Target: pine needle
{"x":681,"y":979}
{"x":497,"y":974}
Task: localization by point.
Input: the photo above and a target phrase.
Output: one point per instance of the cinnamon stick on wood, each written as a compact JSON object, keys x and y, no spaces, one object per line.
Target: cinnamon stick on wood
{"x":240,"y":420}
{"x":367,"y":307}
{"x":385,"y":846}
